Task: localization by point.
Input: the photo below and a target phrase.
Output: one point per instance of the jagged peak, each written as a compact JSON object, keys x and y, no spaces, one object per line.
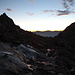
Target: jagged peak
{"x":4,"y":19}
{"x":4,"y":14}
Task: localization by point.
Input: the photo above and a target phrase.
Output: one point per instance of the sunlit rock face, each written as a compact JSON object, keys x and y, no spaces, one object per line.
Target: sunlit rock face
{"x":25,"y":53}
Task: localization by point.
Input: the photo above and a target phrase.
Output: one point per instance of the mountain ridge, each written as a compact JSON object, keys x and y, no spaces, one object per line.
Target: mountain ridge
{"x":68,"y":34}
{"x":12,"y":33}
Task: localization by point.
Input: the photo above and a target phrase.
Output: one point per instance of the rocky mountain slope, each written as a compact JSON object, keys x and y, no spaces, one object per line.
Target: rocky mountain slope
{"x":11,"y":33}
{"x":25,"y":53}
{"x":68,"y":34}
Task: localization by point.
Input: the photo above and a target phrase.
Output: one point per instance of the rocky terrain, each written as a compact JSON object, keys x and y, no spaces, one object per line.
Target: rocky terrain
{"x":25,"y":53}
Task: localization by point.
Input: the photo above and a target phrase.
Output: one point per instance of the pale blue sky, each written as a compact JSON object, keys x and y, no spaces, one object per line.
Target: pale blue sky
{"x":35,"y":15}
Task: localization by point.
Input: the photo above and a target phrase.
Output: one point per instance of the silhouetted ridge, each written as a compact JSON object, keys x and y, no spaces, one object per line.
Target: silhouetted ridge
{"x":4,"y":19}
{"x":68,"y":34}
{"x":69,"y":31}
{"x":9,"y":32}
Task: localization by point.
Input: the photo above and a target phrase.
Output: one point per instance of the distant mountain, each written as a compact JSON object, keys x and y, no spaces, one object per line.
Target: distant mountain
{"x":47,"y":33}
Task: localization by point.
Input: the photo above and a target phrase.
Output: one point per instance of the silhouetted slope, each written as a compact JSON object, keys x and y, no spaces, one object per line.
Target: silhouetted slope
{"x":68,"y":35}
{"x":65,"y":48}
{"x":11,"y":33}
{"x":4,"y":19}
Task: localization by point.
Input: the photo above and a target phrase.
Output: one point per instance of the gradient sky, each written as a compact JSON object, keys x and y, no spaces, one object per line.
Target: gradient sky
{"x":35,"y":15}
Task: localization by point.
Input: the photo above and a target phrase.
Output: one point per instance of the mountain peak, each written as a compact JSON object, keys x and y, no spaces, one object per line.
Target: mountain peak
{"x":4,"y":15}
{"x":4,"y":19}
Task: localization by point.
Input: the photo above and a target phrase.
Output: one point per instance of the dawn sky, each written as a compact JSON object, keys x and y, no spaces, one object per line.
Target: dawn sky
{"x":35,"y":15}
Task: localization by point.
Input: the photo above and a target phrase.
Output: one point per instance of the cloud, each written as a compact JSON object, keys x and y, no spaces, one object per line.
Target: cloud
{"x":31,"y":1}
{"x":68,"y":3}
{"x":30,"y":14}
{"x":58,"y":12}
{"x":47,"y":11}
{"x":65,"y":12}
{"x":8,"y":9}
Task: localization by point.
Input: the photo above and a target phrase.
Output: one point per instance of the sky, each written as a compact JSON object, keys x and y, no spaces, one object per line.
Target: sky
{"x":40,"y":15}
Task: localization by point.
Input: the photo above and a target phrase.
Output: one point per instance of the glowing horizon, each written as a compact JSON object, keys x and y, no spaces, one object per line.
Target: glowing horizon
{"x":48,"y":25}
{"x":45,"y":30}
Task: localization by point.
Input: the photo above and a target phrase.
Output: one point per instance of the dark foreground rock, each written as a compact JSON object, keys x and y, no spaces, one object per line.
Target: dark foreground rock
{"x":25,"y":53}
{"x":23,"y":60}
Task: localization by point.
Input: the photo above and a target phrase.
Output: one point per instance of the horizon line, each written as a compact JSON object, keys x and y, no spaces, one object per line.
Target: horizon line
{"x":43,"y":30}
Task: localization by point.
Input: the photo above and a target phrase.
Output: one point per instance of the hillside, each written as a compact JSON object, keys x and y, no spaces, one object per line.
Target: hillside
{"x":11,"y":33}
{"x":68,"y":35}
